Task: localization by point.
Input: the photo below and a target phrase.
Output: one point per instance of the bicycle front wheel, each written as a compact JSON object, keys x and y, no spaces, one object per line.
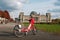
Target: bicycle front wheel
{"x":18,"y":34}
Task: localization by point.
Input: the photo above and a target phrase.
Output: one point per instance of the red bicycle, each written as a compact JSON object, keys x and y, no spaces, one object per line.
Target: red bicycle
{"x":20,"y":31}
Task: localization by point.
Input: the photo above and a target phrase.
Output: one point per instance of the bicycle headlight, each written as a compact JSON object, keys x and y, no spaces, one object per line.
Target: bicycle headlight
{"x":20,"y":26}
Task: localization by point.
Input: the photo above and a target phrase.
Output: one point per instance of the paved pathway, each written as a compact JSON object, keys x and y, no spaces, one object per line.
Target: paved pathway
{"x":6,"y":34}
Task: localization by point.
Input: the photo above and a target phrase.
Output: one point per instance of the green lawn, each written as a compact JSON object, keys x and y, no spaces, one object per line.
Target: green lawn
{"x":48,"y":27}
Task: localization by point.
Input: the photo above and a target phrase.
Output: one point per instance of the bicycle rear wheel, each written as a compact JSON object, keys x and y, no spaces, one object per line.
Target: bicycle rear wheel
{"x":34,"y":31}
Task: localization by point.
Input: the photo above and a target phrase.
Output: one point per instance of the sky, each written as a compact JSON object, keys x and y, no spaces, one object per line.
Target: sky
{"x":14,"y":7}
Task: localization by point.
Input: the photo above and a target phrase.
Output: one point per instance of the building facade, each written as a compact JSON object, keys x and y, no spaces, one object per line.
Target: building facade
{"x":38,"y":18}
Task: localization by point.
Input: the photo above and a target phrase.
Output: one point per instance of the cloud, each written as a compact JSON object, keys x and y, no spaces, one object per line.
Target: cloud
{"x":57,"y":3}
{"x":15,"y":6}
{"x":24,"y":1}
{"x":11,"y":4}
{"x":55,"y":7}
{"x":54,"y":10}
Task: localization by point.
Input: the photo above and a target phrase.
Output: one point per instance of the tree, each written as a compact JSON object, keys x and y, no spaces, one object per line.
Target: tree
{"x":1,"y":14}
{"x":6,"y":14}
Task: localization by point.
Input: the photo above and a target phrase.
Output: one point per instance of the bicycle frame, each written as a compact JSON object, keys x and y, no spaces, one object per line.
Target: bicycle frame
{"x":29,"y":28}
